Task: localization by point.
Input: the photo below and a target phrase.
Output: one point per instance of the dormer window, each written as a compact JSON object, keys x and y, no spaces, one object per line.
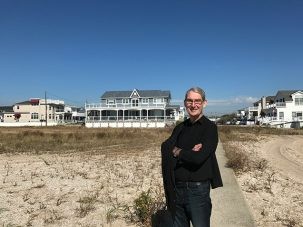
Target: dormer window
{"x":110,"y":101}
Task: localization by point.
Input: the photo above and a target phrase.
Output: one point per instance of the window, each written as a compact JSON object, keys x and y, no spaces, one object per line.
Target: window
{"x":135,"y":102}
{"x":49,"y":116}
{"x":110,"y":101}
{"x":125,"y":101}
{"x":298,"y":101}
{"x":158,"y":100}
{"x":34,"y":116}
{"x":49,"y":108}
{"x":18,"y":107}
{"x":281,"y":116}
{"x":296,"y":116}
{"x":144,"y":101}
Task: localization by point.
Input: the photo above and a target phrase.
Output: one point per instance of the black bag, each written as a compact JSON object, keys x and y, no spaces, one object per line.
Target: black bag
{"x":162,"y":218}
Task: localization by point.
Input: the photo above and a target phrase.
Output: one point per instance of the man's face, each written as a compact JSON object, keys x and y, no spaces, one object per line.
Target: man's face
{"x":194,"y":104}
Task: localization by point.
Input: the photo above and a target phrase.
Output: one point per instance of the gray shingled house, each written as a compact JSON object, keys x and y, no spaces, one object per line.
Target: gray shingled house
{"x":136,"y":108}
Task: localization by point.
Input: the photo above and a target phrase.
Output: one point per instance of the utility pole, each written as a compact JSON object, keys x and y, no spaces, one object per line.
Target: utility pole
{"x":45,"y":110}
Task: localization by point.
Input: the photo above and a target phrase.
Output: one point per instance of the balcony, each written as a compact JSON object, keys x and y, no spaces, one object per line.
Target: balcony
{"x":98,"y":106}
{"x":280,"y":104}
{"x":253,"y":108}
{"x":129,"y":118}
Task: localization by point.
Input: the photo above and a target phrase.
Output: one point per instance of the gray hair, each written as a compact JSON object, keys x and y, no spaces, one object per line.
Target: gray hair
{"x":197,"y":90}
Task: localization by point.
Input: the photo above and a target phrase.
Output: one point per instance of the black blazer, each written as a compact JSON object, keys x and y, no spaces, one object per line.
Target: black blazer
{"x":169,"y":163}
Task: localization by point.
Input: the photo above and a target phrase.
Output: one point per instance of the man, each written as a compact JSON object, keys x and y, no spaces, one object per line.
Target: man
{"x":189,"y":165}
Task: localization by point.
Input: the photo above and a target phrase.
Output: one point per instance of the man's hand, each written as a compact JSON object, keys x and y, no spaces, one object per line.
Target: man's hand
{"x":176,"y":151}
{"x":197,"y":147}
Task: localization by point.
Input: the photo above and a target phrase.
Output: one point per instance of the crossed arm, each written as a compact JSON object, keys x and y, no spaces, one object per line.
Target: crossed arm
{"x":200,"y":152}
{"x":196,"y":148}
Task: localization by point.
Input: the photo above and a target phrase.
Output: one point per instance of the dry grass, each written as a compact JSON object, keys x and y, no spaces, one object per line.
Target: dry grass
{"x":275,"y":198}
{"x":141,"y":211}
{"x":87,"y":204}
{"x":257,"y":130}
{"x":76,"y":139}
{"x":238,"y":159}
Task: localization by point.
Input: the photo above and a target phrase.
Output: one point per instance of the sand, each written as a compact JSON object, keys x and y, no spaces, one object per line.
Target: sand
{"x":275,"y":193}
{"x":80,"y":189}
{"x":73,"y":189}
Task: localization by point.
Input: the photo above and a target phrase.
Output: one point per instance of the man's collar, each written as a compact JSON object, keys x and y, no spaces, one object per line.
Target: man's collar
{"x":200,"y":120}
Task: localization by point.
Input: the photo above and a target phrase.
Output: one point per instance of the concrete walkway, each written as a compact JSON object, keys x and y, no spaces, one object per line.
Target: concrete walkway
{"x":229,"y":206}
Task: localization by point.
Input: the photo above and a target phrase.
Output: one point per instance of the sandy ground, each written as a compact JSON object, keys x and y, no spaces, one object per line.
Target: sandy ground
{"x":82,"y":189}
{"x":73,"y":189}
{"x":275,"y":193}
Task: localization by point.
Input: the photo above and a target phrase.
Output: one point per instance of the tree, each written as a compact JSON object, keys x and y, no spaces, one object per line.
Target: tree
{"x":17,"y":116}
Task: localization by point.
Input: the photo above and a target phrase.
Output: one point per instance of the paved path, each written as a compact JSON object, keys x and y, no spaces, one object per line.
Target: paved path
{"x":229,"y":206}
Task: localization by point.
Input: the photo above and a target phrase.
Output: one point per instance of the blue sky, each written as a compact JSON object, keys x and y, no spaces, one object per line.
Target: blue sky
{"x":237,"y":50}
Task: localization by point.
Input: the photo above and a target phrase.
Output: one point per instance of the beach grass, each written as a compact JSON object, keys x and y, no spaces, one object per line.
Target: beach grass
{"x":78,"y":139}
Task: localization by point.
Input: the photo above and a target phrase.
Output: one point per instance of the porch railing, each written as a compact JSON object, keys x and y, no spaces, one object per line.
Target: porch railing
{"x":96,"y":106}
{"x":128,"y":118}
{"x":280,"y":104}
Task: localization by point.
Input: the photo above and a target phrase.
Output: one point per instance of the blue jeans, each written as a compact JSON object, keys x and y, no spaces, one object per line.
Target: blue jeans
{"x":193,"y":204}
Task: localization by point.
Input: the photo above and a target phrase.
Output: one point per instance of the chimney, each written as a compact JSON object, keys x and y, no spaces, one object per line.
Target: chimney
{"x":263,"y":102}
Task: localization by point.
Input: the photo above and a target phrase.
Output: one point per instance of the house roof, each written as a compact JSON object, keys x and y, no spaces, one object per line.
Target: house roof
{"x":141,"y":93}
{"x":286,"y":94}
{"x":23,"y":103}
{"x":177,"y":107}
{"x":259,"y":101}
{"x":267,"y":98}
{"x":29,"y":102}
{"x":37,"y":101}
{"x":270,"y":98}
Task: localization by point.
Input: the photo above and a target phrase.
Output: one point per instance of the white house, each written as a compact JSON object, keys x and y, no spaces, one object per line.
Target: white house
{"x":255,"y":111}
{"x":282,"y":110}
{"x":74,"y":114}
{"x":136,"y":108}
{"x":5,"y":110}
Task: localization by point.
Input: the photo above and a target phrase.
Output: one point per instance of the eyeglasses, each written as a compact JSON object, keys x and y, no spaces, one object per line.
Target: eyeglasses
{"x":192,"y":101}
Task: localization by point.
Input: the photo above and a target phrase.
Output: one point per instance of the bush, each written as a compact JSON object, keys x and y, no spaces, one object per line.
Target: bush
{"x":143,"y":209}
{"x":237,"y":160}
{"x":146,"y":205}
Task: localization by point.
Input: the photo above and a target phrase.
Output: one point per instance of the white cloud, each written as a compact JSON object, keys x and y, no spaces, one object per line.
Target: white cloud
{"x":222,"y":106}
{"x":240,"y":100}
